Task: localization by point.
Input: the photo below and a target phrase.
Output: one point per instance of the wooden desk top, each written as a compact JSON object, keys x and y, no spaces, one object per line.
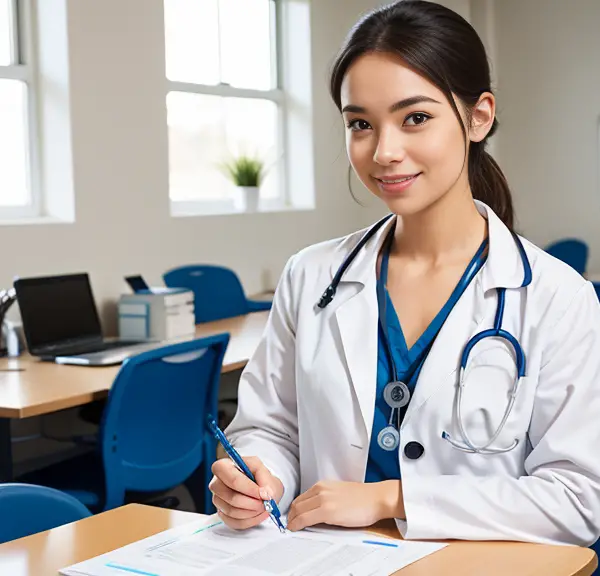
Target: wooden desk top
{"x":29,"y":387}
{"x":45,"y":553}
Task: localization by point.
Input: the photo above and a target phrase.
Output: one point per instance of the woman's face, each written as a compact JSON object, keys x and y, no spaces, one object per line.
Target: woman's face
{"x":403,"y":138}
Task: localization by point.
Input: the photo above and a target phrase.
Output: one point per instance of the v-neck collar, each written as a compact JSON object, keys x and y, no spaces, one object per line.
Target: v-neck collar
{"x":398,"y":341}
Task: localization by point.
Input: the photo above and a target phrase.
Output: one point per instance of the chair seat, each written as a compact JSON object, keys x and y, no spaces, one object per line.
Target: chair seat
{"x":82,"y":477}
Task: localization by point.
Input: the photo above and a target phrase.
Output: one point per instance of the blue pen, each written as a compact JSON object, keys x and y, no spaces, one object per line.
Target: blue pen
{"x":270,"y":505}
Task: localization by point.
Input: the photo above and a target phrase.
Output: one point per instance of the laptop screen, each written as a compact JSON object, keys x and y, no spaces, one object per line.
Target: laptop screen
{"x":55,"y":309}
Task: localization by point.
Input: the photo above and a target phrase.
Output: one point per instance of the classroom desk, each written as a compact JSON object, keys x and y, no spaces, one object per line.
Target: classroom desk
{"x":29,"y":387}
{"x":45,"y":553}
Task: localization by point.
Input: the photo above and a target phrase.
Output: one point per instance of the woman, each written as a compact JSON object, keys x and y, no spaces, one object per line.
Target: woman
{"x":351,"y":411}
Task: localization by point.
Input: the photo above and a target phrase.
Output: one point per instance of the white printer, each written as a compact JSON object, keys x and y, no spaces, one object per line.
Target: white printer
{"x":157,"y":314}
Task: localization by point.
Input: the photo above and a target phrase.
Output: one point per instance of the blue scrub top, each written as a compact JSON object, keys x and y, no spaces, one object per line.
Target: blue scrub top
{"x":383,"y":464}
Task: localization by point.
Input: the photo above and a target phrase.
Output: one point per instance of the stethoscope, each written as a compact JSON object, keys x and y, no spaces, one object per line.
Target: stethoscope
{"x":397,"y":394}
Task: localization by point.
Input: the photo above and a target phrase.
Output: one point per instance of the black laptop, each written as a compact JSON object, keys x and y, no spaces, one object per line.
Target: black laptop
{"x":61,"y":322}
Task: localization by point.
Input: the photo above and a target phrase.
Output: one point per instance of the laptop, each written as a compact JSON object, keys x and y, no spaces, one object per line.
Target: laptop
{"x":61,"y":323}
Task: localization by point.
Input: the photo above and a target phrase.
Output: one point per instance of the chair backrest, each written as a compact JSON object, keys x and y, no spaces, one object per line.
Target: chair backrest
{"x":596,"y":548}
{"x":27,"y":509}
{"x":596,"y":286}
{"x":153,"y":433}
{"x":572,"y":251}
{"x":218,"y":292}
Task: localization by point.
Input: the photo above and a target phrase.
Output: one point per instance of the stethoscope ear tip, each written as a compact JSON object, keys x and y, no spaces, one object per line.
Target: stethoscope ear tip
{"x":326,"y":297}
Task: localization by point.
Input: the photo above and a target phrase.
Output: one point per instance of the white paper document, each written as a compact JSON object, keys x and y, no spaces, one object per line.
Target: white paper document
{"x":201,"y":549}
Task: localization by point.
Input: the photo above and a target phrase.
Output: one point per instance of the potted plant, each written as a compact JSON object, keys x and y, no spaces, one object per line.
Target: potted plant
{"x":246,"y":172}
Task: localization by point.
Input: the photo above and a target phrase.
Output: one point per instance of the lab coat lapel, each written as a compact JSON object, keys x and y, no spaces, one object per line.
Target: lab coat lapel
{"x":357,"y":322}
{"x":356,"y":317}
{"x":503,"y":268}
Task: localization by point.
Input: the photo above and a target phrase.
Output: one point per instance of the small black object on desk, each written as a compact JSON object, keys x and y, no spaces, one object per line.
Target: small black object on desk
{"x":7,"y":299}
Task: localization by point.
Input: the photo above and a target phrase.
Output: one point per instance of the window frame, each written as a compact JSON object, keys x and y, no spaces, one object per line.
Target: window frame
{"x":24,"y":68}
{"x":211,"y":206}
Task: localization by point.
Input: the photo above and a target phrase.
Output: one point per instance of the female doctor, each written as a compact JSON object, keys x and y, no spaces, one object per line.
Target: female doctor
{"x":437,"y":368}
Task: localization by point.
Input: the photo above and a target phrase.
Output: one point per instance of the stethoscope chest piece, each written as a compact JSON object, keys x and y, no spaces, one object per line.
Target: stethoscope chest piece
{"x":396,"y":394}
{"x":389,"y":438}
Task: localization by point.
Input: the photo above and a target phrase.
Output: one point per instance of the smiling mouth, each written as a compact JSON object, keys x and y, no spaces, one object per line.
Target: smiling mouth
{"x":397,"y":180}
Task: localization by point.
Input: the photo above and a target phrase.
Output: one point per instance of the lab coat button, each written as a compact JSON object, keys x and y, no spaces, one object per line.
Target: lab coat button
{"x":413,"y":450}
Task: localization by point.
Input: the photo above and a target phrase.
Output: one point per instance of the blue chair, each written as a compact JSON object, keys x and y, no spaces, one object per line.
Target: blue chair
{"x":572,"y":251}
{"x":153,"y":435}
{"x":596,"y":286}
{"x":596,"y":548}
{"x":27,"y":509}
{"x":218,"y":292}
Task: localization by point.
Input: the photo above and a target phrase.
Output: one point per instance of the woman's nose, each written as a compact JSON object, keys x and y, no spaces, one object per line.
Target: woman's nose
{"x":390,"y":148}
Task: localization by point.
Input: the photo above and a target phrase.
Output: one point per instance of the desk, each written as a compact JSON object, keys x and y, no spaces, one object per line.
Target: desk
{"x":29,"y":387}
{"x":45,"y":553}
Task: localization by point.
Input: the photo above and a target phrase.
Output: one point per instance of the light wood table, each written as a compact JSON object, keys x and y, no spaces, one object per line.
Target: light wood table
{"x":29,"y":387}
{"x":45,"y":553}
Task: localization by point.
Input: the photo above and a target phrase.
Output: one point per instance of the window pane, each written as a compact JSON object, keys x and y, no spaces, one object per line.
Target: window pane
{"x":5,"y":33}
{"x":207,"y":130}
{"x":192,"y":40}
{"x":14,"y":189}
{"x":246,"y":43}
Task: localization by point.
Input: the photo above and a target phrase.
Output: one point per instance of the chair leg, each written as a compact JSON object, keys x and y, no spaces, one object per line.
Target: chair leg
{"x":209,"y":507}
{"x":197,"y":485}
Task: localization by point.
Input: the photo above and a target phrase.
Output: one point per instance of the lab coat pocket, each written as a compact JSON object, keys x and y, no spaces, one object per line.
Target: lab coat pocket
{"x":489,"y":379}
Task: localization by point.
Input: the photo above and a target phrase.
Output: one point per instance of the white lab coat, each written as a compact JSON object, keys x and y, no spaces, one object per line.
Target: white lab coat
{"x":307,"y":397}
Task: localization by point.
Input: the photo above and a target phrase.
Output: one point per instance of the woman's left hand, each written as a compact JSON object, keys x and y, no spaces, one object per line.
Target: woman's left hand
{"x":348,"y":504}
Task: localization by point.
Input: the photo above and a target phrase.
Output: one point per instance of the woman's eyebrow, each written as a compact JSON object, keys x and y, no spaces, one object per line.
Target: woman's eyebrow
{"x":405,"y":103}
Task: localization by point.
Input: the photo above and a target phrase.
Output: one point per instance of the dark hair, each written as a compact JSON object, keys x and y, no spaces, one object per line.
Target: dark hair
{"x":444,"y":48}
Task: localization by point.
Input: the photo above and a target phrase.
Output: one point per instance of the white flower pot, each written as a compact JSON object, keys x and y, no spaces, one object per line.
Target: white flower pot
{"x":246,"y":198}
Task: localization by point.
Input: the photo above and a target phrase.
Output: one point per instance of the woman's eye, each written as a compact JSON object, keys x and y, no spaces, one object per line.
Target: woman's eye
{"x":416,"y":119}
{"x":358,"y":125}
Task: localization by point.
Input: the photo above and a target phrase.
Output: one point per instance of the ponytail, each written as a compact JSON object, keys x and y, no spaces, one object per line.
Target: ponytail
{"x":488,"y":183}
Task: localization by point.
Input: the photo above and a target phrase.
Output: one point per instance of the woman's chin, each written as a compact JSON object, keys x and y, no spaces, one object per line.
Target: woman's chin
{"x":405,"y":205}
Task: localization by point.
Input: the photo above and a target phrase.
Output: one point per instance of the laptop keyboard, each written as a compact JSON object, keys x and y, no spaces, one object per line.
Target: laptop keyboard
{"x":99,"y":347}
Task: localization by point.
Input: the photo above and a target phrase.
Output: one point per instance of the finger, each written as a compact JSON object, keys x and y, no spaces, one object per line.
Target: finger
{"x":302,"y":507}
{"x":312,"y":517}
{"x":235,"y":499}
{"x":310,"y":493}
{"x":233,"y":512}
{"x":232,"y":477}
{"x":242,"y":524}
{"x":263,"y":477}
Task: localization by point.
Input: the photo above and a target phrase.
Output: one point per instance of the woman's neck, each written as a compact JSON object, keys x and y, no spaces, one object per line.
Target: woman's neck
{"x":449,"y":230}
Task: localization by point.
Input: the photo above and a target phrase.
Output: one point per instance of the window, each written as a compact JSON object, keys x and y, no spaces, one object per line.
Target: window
{"x":18,"y":193}
{"x":224,"y":98}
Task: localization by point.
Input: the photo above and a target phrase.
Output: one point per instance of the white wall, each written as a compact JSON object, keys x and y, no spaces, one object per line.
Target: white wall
{"x":119,"y":142}
{"x":548,"y":54}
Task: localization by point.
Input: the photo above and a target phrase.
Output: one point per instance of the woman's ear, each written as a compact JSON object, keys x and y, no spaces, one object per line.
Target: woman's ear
{"x":482,"y":117}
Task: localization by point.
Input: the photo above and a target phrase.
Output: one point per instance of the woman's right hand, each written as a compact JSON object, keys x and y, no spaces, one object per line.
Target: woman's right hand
{"x":238,"y":500}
